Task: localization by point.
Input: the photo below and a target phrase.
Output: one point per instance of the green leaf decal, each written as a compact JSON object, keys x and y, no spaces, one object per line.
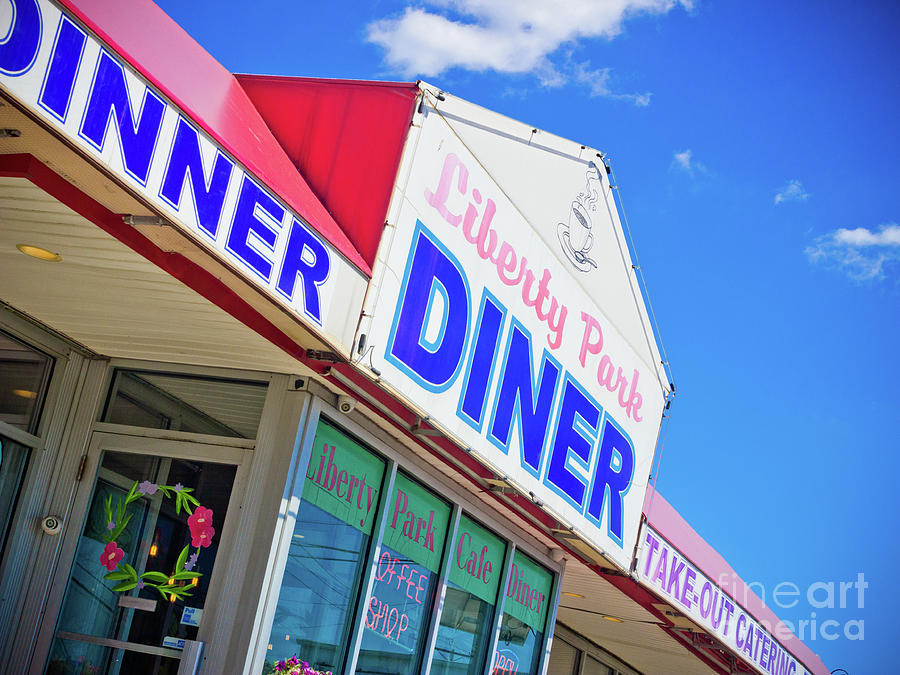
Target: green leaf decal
{"x":125,"y":586}
{"x":155,"y":577}
{"x":182,"y":559}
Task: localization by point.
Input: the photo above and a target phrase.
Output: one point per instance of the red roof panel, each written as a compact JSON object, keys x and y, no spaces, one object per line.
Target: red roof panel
{"x":346,"y":137}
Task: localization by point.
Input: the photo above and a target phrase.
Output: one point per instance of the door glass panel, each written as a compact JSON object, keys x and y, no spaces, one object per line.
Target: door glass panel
{"x":476,"y":566}
{"x":397,"y":613}
{"x":24,"y":375}
{"x":198,"y":405}
{"x":331,"y":538}
{"x":139,"y":538}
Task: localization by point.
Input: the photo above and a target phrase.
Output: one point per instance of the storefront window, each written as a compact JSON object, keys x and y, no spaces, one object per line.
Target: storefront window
{"x":476,"y":567}
{"x":398,"y":611}
{"x":24,"y":378}
{"x":13,"y":461}
{"x":24,"y":375}
{"x":200,"y":405}
{"x":593,"y":667}
{"x":327,"y":554}
{"x":564,"y":658}
{"x":528,"y":596}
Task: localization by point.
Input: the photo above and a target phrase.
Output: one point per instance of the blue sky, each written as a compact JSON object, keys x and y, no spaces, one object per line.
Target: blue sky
{"x":756,"y":148}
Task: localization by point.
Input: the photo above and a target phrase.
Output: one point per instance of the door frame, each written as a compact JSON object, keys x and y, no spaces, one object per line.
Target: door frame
{"x":237,"y":452}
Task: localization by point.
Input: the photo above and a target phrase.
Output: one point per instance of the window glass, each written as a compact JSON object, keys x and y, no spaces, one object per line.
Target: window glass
{"x":326,"y":560}
{"x":524,"y":616}
{"x":24,"y":375}
{"x":476,"y":566}
{"x":406,"y":574}
{"x":185,"y":403}
{"x":593,"y":667}
{"x":13,"y":462}
{"x":563,"y":658}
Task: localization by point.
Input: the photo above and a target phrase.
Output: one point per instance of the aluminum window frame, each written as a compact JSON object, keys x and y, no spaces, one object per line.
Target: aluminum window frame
{"x":396,"y":456}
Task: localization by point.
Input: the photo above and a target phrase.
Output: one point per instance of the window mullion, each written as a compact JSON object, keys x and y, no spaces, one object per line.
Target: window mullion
{"x":437,"y":607}
{"x":498,"y":609}
{"x":550,"y":623}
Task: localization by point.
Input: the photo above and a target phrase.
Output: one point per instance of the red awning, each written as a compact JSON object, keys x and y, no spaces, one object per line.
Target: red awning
{"x":346,"y":137}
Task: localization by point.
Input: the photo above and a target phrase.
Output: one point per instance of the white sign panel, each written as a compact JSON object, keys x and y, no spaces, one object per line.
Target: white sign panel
{"x":562,"y":189}
{"x":84,"y":91}
{"x":479,"y":324}
{"x":663,"y":570}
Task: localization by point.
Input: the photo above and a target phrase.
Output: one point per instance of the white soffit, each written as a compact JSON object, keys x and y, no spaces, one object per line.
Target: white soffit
{"x":109,"y":298}
{"x":638,"y":640}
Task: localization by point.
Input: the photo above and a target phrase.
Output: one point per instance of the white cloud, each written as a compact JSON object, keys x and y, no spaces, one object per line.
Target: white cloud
{"x":792,"y":192}
{"x":683,"y":159}
{"x":862,"y":253}
{"x":508,"y":36}
{"x":598,"y":83}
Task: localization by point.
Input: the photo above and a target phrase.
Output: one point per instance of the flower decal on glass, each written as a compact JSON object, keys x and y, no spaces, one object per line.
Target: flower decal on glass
{"x":201,"y":527}
{"x":148,"y":488}
{"x":181,"y":582}
{"x":111,"y":556}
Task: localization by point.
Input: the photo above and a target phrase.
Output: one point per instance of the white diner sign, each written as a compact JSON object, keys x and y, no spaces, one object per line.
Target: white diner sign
{"x":83,"y":90}
{"x":661,"y":568}
{"x":483,"y":327}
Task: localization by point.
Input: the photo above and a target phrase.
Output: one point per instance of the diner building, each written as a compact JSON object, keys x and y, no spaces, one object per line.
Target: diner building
{"x":354,"y":372}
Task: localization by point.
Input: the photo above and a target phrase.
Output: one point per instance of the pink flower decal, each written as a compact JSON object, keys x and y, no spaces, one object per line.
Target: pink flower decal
{"x":200,"y":524}
{"x":111,"y":556}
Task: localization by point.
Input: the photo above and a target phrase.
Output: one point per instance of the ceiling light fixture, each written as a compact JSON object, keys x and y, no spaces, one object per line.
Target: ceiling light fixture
{"x":614,"y":619}
{"x":39,"y":253}
{"x":572,"y":595}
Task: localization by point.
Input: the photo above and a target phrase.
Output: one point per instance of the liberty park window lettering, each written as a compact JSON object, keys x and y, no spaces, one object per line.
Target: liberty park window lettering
{"x":320,"y":586}
{"x":406,"y":575}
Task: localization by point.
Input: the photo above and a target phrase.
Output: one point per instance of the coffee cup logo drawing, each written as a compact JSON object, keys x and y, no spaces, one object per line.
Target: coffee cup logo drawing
{"x":575,"y":235}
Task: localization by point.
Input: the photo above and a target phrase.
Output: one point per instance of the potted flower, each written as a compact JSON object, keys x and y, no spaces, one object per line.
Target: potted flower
{"x":294,"y":666}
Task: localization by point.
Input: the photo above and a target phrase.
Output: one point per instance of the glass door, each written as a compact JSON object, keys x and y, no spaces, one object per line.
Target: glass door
{"x":144,"y":557}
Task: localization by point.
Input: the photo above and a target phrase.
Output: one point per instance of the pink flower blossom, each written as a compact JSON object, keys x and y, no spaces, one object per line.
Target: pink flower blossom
{"x":201,"y":519}
{"x":200,"y":524}
{"x":111,"y":556}
{"x":202,"y":538}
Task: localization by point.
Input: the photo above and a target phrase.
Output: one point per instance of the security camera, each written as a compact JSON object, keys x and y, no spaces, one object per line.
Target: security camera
{"x":51,"y":525}
{"x":346,"y":404}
